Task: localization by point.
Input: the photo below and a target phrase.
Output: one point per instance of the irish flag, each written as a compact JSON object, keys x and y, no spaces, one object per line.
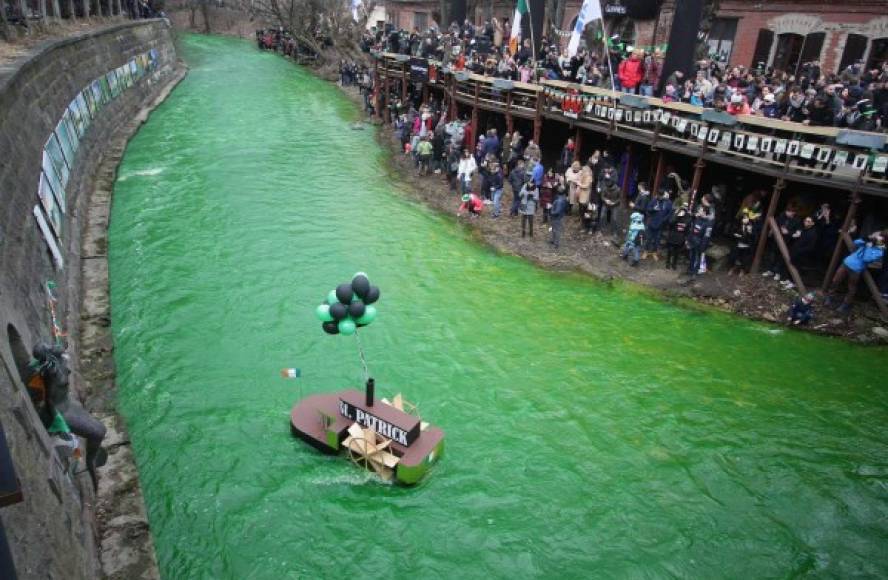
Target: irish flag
{"x":520,"y":10}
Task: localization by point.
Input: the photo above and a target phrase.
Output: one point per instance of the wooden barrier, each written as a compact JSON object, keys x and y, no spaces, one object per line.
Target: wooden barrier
{"x":773,"y":147}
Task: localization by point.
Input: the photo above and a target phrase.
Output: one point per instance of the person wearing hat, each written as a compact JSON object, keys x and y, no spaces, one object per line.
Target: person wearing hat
{"x":769,"y":107}
{"x":471,"y":203}
{"x":738,"y":105}
{"x":634,"y":239}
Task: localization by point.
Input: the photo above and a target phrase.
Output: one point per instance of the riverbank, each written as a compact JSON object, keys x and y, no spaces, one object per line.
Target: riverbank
{"x":597,"y":255}
{"x":752,"y":297}
{"x":125,"y":540}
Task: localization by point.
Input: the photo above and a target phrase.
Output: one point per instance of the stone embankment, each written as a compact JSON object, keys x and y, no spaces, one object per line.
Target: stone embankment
{"x":62,"y":528}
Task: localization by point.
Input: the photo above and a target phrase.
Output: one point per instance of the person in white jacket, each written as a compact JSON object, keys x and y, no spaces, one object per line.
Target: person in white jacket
{"x":466,"y":170}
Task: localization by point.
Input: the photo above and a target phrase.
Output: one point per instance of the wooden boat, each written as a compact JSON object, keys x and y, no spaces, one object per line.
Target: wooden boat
{"x":380,"y":436}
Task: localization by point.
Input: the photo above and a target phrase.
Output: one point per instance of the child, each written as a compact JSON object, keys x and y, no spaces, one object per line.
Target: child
{"x":471,"y":203}
{"x":633,"y":238}
{"x":802,"y":310}
{"x":675,"y":238}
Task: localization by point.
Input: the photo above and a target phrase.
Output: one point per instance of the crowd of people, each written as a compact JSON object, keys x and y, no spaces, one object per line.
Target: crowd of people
{"x":856,"y":97}
{"x":597,"y":198}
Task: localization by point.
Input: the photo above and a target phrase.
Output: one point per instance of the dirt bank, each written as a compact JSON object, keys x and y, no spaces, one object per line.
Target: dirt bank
{"x":753,"y":297}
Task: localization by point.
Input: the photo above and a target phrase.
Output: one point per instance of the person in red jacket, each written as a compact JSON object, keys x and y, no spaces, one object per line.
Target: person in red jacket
{"x":471,"y":203}
{"x":631,"y":71}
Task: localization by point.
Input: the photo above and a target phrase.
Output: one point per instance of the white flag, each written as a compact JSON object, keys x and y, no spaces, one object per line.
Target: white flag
{"x":356,"y":5}
{"x":590,"y":11}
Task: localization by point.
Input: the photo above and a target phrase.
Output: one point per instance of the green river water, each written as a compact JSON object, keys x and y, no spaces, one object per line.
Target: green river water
{"x":592,"y":431}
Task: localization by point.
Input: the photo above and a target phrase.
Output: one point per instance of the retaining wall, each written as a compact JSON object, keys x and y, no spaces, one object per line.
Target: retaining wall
{"x":52,"y":533}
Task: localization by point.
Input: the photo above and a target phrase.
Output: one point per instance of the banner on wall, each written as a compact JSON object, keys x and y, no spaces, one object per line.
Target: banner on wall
{"x":60,"y":148}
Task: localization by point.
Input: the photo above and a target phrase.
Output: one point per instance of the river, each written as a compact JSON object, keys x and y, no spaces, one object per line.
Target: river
{"x":592,"y":430}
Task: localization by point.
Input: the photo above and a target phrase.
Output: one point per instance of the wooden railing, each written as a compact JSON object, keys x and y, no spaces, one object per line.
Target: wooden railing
{"x":830,"y":156}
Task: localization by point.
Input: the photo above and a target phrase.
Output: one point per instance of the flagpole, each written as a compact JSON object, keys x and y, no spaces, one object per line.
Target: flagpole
{"x":607,"y":55}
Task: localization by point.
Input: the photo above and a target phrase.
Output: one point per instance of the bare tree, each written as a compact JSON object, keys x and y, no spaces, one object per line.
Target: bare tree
{"x":312,"y":21}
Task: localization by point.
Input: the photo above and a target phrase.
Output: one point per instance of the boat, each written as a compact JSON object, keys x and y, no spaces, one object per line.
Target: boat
{"x":387,"y":437}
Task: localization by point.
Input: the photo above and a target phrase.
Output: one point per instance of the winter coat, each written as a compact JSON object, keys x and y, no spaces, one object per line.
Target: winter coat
{"x":584,"y":186}
{"x":635,"y":229}
{"x":517,"y":178}
{"x":529,"y":200}
{"x":630,"y":72}
{"x":610,"y":193}
{"x":559,"y":207}
{"x":700,"y":233}
{"x":467,"y":168}
{"x":678,"y":228}
{"x":864,"y":254}
{"x":658,"y":212}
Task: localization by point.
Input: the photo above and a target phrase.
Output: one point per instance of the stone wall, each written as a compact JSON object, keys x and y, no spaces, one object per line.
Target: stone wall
{"x":52,"y":533}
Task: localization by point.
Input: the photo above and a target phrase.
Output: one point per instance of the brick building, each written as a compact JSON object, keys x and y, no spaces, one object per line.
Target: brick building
{"x":786,"y":33}
{"x":779,"y":33}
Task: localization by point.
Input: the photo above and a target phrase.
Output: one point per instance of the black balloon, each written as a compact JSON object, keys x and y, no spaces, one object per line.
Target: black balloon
{"x":360,"y":285}
{"x":330,"y":327}
{"x":344,"y":293}
{"x":356,"y":309}
{"x":338,"y":311}
{"x":372,"y":295}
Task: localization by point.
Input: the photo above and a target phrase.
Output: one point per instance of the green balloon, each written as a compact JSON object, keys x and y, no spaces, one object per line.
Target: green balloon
{"x":331,"y":297}
{"x":323,"y":313}
{"x":369,"y":315}
{"x":347,"y":326}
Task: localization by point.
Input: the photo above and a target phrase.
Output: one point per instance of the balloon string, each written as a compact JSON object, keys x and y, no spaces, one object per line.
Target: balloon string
{"x":363,"y":360}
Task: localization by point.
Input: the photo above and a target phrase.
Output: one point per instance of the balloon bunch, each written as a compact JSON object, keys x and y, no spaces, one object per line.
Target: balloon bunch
{"x":348,"y":307}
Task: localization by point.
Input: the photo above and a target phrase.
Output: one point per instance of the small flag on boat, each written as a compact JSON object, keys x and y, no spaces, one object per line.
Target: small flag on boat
{"x":291,"y":373}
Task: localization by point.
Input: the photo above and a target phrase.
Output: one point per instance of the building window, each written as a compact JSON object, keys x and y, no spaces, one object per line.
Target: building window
{"x":878,"y":53}
{"x":421,"y":21}
{"x":855,"y":48}
{"x":762,"y":49}
{"x":721,"y":39}
{"x":789,"y":49}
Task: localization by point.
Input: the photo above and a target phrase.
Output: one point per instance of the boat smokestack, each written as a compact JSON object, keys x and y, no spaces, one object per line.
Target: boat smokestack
{"x":371,"y":386}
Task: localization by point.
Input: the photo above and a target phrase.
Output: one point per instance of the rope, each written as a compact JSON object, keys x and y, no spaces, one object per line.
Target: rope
{"x":363,"y":360}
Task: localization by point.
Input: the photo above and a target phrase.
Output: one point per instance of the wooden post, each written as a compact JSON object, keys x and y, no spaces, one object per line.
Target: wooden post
{"x":538,"y":118}
{"x":377,"y":90}
{"x":658,"y":175}
{"x":628,"y":171}
{"x":868,"y":278}
{"x":471,"y":146}
{"x":837,"y":251}
{"x":388,"y":93}
{"x":779,"y":185}
{"x":403,"y":82}
{"x":695,"y":184}
{"x":453,"y":107}
{"x":578,"y":144}
{"x":510,"y":123}
{"x":784,"y":251}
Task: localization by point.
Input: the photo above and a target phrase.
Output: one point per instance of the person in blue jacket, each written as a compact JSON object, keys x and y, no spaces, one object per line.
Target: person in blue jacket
{"x":865,"y":253}
{"x":634,"y":239}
